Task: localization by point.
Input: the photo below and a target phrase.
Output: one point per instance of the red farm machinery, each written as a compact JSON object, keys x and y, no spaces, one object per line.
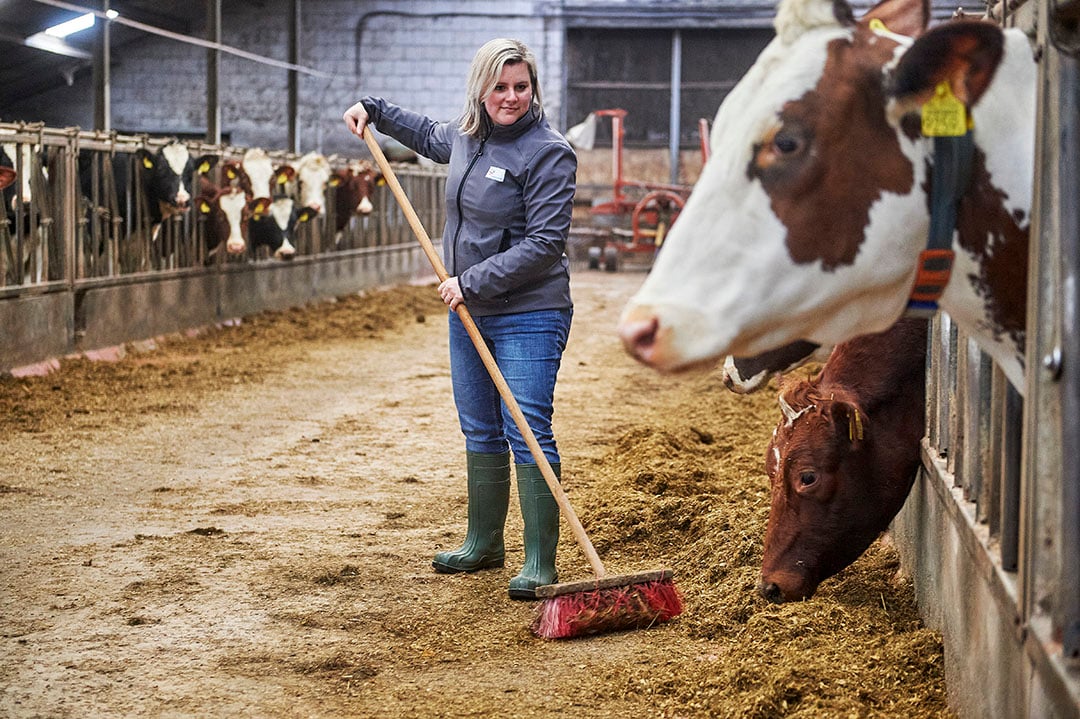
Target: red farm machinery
{"x":631,"y":225}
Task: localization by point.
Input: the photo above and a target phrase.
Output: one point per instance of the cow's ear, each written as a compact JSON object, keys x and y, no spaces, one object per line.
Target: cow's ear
{"x":904,"y":17}
{"x":962,"y":54}
{"x":259,"y":208}
{"x":205,"y":163}
{"x":284,"y":173}
{"x":380,"y":180}
{"x":849,"y":422}
{"x":204,"y":206}
{"x":145,"y":157}
{"x":7,"y":176}
{"x":306,"y":214}
{"x":334,"y":181}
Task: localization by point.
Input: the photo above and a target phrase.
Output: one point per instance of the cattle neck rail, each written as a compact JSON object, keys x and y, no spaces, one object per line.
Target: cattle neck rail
{"x":92,"y":255}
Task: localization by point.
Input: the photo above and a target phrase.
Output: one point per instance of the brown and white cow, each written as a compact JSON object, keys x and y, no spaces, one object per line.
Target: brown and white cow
{"x":226,"y":212}
{"x":843,"y":458}
{"x":353,"y":188}
{"x":809,"y":218}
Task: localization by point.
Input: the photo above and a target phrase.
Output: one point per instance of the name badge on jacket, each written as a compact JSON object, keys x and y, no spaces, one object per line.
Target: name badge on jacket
{"x":496,"y":173}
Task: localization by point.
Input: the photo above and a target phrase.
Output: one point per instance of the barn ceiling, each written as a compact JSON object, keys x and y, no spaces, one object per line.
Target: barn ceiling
{"x":27,"y":70}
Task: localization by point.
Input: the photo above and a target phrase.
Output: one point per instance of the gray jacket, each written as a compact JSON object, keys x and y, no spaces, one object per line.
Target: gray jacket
{"x":509,"y":199}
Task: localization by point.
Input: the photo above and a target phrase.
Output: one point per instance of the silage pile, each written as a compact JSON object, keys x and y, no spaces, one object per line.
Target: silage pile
{"x":691,"y":493}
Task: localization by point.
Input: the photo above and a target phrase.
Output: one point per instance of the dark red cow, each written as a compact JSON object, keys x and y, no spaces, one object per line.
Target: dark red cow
{"x":353,"y":188}
{"x":843,"y":458}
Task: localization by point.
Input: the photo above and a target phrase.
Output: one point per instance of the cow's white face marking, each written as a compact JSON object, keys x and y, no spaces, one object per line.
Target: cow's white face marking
{"x":313,"y":172}
{"x":177,"y":156}
{"x":281,"y":210}
{"x":232,"y":205}
{"x":13,"y":150}
{"x":260,"y":170}
{"x":365,"y":207}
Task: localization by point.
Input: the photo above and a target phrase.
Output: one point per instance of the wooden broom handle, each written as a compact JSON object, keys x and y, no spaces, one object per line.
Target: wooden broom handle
{"x":489,"y":361}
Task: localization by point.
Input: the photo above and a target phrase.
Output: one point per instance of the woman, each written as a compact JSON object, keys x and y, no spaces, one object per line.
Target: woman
{"x":509,"y":195}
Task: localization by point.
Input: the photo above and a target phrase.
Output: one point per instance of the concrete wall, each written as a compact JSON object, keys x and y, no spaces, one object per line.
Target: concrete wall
{"x":415,"y":53}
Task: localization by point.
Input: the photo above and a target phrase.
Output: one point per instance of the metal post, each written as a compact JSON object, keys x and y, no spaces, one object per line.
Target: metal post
{"x":1066,"y":95}
{"x":294,"y":77}
{"x":213,"y":72}
{"x":675,"y":121}
{"x":101,"y":73}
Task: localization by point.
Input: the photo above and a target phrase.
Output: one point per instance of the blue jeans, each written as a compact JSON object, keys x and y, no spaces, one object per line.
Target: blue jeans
{"x":528,"y":348}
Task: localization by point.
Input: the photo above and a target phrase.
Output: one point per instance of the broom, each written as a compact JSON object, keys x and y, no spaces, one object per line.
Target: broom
{"x":604,"y":603}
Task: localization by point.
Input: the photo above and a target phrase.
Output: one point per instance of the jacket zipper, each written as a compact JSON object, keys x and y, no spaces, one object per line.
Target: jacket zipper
{"x":461,"y":217}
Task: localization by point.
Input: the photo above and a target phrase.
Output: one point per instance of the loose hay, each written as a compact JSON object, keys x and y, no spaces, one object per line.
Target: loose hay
{"x":682,"y":485}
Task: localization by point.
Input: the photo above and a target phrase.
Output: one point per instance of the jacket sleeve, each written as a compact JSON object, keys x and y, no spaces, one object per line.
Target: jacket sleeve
{"x":418,"y":132}
{"x":548,"y":193}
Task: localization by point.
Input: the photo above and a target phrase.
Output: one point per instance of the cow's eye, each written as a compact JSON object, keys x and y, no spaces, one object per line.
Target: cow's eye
{"x":785,"y":143}
{"x":807,"y":479}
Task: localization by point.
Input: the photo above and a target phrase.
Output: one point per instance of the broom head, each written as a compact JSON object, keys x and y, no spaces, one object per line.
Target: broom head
{"x":631,"y":601}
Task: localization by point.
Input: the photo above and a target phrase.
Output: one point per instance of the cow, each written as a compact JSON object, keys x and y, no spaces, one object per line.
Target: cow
{"x":27,"y":213}
{"x":353,"y":188}
{"x":168,"y":177}
{"x":843,"y":458}
{"x":811,"y":216}
{"x":312,"y":177}
{"x":226,"y":212}
{"x":743,"y":375}
{"x":273,"y":226}
{"x":273,"y":214}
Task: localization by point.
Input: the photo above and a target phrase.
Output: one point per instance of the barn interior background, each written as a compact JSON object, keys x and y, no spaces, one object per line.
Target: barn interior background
{"x":277,"y":74}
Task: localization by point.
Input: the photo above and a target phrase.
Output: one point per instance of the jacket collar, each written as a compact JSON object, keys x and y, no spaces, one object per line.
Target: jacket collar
{"x":511,"y":132}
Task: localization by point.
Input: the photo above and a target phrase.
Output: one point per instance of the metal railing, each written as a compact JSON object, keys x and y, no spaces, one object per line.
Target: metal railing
{"x":79,"y":220}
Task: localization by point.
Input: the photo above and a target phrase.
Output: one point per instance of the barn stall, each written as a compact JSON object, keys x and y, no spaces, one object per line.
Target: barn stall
{"x":1035,"y":676}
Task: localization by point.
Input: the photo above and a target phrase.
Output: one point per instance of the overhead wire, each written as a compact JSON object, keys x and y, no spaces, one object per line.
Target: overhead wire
{"x":134,"y":24}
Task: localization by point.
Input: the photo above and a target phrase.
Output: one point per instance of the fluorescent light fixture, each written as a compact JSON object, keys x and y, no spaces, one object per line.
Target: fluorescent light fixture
{"x":75,"y":25}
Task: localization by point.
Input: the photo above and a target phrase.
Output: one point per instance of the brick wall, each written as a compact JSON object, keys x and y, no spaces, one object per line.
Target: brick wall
{"x":412,"y":52}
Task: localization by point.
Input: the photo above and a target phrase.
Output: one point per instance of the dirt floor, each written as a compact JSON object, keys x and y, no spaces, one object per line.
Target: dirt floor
{"x":241,"y":524}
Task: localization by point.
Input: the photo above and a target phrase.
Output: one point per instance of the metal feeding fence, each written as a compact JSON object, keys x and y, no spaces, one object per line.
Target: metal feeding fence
{"x":991,"y":531}
{"x":83,"y":264}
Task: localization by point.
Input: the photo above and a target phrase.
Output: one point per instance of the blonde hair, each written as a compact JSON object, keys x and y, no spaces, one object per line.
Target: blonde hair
{"x":484,"y":72}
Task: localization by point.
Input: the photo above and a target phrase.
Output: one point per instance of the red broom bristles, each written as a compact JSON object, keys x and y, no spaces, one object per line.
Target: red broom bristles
{"x":635,"y":606}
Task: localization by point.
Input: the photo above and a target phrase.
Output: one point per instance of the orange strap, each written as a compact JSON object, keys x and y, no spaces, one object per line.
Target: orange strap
{"x":934,"y":269}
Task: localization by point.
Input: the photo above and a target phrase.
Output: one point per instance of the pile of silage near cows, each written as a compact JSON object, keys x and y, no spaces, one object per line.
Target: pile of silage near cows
{"x":691,"y":493}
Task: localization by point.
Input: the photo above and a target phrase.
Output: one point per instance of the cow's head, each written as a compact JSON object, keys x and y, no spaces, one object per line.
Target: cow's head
{"x":313,"y":175}
{"x":809,"y":216}
{"x":169,"y":175}
{"x":273,"y":226}
{"x":259,"y":170}
{"x":226,"y":214}
{"x":824,"y":494}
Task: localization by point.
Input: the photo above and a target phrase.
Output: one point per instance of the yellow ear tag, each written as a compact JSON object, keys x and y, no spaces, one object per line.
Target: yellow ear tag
{"x":944,"y":115}
{"x":878,"y":26}
{"x":855,"y":431}
{"x":381,"y":181}
{"x":282,"y":178}
{"x":204,"y":208}
{"x":204,"y":167}
{"x":147,"y":163}
{"x":231,"y":173}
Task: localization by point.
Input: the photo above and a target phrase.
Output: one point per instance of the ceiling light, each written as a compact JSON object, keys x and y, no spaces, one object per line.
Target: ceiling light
{"x":75,"y":25}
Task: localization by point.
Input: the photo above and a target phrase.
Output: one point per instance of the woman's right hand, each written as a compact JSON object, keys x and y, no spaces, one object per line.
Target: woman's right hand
{"x":356,"y":118}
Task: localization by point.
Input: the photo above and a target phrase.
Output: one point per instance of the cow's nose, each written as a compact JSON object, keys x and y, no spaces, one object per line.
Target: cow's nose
{"x":771,"y":591}
{"x":638,"y":333}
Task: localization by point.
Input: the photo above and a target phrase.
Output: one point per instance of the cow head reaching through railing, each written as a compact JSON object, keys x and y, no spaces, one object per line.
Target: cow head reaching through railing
{"x":809,"y":217}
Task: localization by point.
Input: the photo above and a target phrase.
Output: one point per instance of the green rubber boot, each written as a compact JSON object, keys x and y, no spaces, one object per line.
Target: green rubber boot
{"x":489,"y":497}
{"x":541,"y":515}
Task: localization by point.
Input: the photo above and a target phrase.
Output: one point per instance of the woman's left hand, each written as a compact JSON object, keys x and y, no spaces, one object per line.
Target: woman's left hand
{"x":450,"y":291}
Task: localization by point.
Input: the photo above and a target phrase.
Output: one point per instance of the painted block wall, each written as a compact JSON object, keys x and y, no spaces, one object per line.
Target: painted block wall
{"x":412,"y":52}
